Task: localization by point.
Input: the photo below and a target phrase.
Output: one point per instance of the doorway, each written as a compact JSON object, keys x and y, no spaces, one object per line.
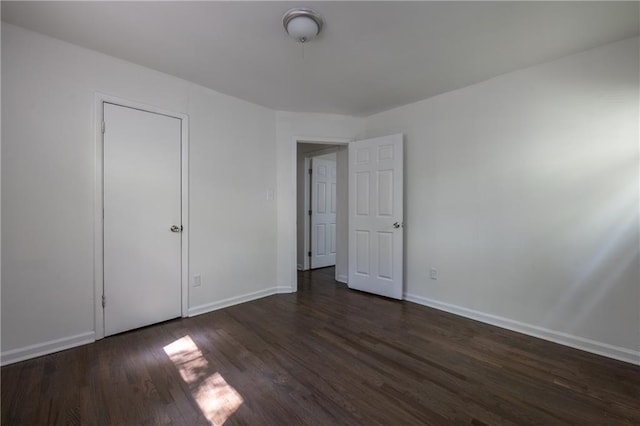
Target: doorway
{"x":373,"y":204}
{"x":141,"y":221}
{"x":322,"y":214}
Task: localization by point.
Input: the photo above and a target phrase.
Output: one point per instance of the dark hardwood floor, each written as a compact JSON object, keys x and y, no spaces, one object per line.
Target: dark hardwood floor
{"x":326,"y":355}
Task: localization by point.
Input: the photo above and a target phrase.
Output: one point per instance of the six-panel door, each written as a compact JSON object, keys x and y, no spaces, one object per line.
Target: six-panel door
{"x":376,"y":215}
{"x":323,"y":216}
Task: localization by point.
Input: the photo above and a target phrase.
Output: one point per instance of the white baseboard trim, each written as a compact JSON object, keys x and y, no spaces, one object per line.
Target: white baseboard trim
{"x":343,"y":279}
{"x":588,"y":345}
{"x":225,"y":303}
{"x":46,"y":348}
{"x":284,"y":290}
{"x":300,"y":267}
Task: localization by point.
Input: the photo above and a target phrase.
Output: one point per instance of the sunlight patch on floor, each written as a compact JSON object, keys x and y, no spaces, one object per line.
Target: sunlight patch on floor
{"x":216,"y":398}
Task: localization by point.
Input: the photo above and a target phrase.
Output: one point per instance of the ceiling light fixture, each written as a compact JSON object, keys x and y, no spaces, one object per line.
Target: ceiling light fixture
{"x":302,"y":24}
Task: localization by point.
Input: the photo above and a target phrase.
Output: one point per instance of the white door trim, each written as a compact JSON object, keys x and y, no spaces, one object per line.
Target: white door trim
{"x":294,"y":183}
{"x":306,"y":264}
{"x":98,"y":254}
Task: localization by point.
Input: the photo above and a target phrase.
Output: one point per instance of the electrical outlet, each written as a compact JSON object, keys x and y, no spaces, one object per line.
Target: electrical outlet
{"x":197,"y":280}
{"x":434,"y":274}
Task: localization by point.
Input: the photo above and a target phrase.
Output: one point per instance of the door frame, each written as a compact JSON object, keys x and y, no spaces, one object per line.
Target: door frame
{"x":98,"y":247}
{"x":294,"y":182}
{"x":306,"y":264}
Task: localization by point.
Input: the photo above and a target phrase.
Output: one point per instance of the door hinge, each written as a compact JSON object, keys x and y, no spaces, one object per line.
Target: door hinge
{"x":104,"y":301}
{"x":103,"y":127}
{"x":309,"y":254}
{"x":309,"y":212}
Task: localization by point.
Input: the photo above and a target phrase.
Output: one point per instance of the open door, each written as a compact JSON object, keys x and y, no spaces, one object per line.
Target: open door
{"x":323,"y":213}
{"x":376,"y":215}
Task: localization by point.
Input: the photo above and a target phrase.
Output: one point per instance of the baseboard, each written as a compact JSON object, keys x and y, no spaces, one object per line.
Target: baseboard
{"x":225,"y":303}
{"x":343,"y":279}
{"x":284,"y":290}
{"x":46,"y":348}
{"x":588,"y":345}
{"x":300,"y":267}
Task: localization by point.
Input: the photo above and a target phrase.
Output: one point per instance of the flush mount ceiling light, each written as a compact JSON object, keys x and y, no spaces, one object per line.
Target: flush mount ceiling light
{"x":302,"y":24}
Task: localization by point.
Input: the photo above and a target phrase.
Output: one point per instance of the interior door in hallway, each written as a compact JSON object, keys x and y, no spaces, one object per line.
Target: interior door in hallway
{"x":323,"y":213}
{"x":142,"y":218}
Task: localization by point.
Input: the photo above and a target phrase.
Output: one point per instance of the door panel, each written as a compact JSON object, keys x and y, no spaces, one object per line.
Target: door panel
{"x":142,"y":198}
{"x":376,"y":215}
{"x":323,"y":213}
{"x":385,"y":193}
{"x":385,"y":255}
{"x":362,"y":253}
{"x":362,"y":193}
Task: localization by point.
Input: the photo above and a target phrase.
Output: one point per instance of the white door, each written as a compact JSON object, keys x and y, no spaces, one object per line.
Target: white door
{"x":323,"y":213}
{"x":142,"y":198}
{"x":376,"y":216}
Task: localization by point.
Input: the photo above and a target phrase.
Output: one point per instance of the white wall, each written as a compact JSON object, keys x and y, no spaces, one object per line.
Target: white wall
{"x":291,"y":126}
{"x":48,"y":187}
{"x":233,"y":224}
{"x":524,"y":192}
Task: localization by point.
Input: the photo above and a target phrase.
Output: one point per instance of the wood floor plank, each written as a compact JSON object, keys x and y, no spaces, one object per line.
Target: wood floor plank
{"x":324,"y":355}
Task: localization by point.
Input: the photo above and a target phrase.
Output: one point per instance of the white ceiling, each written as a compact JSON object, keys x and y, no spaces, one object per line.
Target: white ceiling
{"x":371,"y":56}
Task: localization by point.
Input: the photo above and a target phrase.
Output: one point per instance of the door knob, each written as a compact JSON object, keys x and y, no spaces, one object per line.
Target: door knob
{"x":176,"y":228}
{"x":396,"y":225}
